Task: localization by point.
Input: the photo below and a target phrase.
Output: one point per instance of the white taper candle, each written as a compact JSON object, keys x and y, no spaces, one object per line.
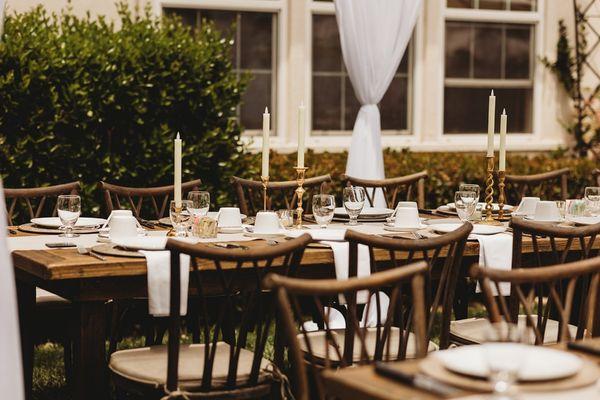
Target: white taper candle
{"x":265,"y":143}
{"x":301,"y":134}
{"x":177,"y":173}
{"x":502,"y":161}
{"x":491,"y":122}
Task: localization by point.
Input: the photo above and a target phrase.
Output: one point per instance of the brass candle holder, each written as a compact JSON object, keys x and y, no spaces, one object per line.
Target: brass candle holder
{"x":265,"y":184}
{"x":300,"y":176}
{"x":501,"y":197}
{"x":489,"y":193}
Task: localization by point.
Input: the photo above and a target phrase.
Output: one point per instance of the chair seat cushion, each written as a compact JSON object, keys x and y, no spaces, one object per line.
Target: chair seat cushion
{"x":472,"y":330}
{"x":43,"y":297}
{"x":148,"y":365}
{"x":318,"y":344}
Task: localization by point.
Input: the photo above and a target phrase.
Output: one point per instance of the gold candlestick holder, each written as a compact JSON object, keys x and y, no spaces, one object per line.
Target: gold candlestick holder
{"x":489,"y":193}
{"x":300,"y":176}
{"x":265,"y":184}
{"x":501,"y":197}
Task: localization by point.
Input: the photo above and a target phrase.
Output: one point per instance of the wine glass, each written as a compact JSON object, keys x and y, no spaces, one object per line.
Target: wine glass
{"x":465,"y":203}
{"x":200,"y":203}
{"x":592,"y":198}
{"x":69,"y":210}
{"x":323,"y":207}
{"x":181,"y":217}
{"x":354,"y":201}
{"x":470,"y":187}
{"x":286,"y":217}
{"x":575,"y":208}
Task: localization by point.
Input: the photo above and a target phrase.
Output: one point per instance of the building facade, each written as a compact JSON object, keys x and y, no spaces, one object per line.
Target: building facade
{"x":460,"y":49}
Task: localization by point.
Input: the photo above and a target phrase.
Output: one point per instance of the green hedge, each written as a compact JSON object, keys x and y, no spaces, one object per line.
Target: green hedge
{"x":81,"y":99}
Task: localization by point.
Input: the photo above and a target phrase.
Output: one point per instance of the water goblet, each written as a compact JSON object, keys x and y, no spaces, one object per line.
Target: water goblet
{"x":69,"y":209}
{"x":354,"y":201}
{"x":465,"y":203}
{"x":200,"y":203}
{"x":181,"y":217}
{"x":470,"y":187}
{"x":286,"y":218}
{"x":323,"y":208}
{"x":575,"y":208}
{"x":592,"y":198}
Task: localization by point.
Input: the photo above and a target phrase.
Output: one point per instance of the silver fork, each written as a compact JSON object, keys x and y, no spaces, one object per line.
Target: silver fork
{"x":87,"y":252}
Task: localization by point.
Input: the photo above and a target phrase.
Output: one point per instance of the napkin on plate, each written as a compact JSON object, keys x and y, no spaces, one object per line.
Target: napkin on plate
{"x":495,"y":251}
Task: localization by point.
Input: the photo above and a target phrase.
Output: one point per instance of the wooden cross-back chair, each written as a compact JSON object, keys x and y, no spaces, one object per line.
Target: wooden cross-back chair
{"x":547,"y":185}
{"x":228,"y":363}
{"x":443,"y":255}
{"x":153,"y":200}
{"x":403,"y":188}
{"x":544,"y":291}
{"x":311,"y":352}
{"x":596,"y":176}
{"x":280,"y":195}
{"x":26,"y":203}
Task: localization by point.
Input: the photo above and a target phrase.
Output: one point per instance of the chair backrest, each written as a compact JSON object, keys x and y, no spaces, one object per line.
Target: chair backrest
{"x":443,"y":255}
{"x":235,"y":275}
{"x":543,"y":185}
{"x":26,"y":203}
{"x":340,"y":348}
{"x":566,"y":292}
{"x":402,"y":188}
{"x":281,"y":195}
{"x":153,"y":200}
{"x":596,"y":176}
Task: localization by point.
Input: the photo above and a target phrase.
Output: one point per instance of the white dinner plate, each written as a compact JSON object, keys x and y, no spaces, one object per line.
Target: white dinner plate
{"x":212,"y":214}
{"x":231,"y":229}
{"x":54,"y":222}
{"x":280,"y":233}
{"x":538,"y":363}
{"x":585,"y":220}
{"x":390,"y":227}
{"x":481,"y":206}
{"x":544,"y":221}
{"x":478,"y":229}
{"x":151,"y":243}
{"x":366,"y":212}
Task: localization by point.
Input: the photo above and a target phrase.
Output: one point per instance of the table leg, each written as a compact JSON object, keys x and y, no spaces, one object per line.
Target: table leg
{"x":89,"y":352}
{"x":26,"y":299}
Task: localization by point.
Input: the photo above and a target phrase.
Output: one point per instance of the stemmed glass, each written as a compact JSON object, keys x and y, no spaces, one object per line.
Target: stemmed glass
{"x":592,"y":198}
{"x":181,"y":217}
{"x":69,"y":210}
{"x":465,"y":203}
{"x":200,"y":202}
{"x":323,"y":208}
{"x":471,"y":187}
{"x":354,"y":201}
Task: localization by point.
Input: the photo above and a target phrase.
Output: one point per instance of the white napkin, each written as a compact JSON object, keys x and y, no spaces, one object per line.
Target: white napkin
{"x":495,"y":251}
{"x":159,"y":281}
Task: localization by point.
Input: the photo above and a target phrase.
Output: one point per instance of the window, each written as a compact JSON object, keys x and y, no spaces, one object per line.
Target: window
{"x":334,"y":104}
{"x":482,"y":56}
{"x":254,"y":52}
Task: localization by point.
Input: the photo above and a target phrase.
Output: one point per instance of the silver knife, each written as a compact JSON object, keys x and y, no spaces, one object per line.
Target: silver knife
{"x":420,"y":381}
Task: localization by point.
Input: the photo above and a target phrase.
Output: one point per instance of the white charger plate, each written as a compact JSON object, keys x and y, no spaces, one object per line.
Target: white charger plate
{"x":478,"y":229}
{"x":539,"y":363}
{"x":585,"y":220}
{"x":54,"y":222}
{"x":366,"y":212}
{"x":389,"y":226}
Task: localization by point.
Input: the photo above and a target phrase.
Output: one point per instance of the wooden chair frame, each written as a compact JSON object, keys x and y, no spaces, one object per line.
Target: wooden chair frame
{"x":522,"y":185}
{"x":596,"y":176}
{"x":250,"y":193}
{"x":41,"y":194}
{"x":391,"y":187}
{"x":134,"y":197}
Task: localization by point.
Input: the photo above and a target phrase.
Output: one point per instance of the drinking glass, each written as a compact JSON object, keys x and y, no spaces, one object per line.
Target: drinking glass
{"x":592,"y":198}
{"x":323,"y":207}
{"x":470,"y":187}
{"x":561,"y":205}
{"x":575,"y":208}
{"x":69,"y":210}
{"x":504,"y":353}
{"x":354,"y":201}
{"x":286,"y":218}
{"x":181,"y":217}
{"x":465,"y":203}
{"x":200,"y":203}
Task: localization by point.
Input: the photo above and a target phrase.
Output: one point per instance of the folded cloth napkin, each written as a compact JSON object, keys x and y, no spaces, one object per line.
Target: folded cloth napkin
{"x":495,"y":251}
{"x":159,"y":282}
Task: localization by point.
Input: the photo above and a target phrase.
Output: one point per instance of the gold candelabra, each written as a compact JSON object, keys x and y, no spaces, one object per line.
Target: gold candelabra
{"x":501,"y":197}
{"x":489,"y":193}
{"x":300,"y":176}
{"x":265,"y":184}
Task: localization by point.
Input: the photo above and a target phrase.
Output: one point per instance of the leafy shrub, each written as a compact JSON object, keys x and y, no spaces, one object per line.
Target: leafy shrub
{"x":81,"y":99}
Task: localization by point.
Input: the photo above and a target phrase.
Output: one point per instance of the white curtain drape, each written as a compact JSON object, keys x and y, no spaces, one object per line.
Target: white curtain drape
{"x":2,"y":11}
{"x":374,"y":35}
{"x":11,"y":375}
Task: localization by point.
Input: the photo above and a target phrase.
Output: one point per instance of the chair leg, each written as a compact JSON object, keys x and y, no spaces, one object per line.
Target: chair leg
{"x":68,"y":359}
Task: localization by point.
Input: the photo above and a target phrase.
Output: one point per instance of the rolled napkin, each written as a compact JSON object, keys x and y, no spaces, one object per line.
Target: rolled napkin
{"x":159,"y":282}
{"x":495,"y":251}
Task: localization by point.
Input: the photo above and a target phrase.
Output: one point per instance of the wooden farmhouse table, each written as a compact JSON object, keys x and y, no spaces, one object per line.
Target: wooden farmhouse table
{"x":88,"y":283}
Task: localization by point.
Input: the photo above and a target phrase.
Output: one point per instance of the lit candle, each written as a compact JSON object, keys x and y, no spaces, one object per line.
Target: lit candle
{"x":265,"y":143}
{"x":177,"y":162}
{"x":301,"y":135}
{"x":503,"y":120}
{"x":491,"y":122}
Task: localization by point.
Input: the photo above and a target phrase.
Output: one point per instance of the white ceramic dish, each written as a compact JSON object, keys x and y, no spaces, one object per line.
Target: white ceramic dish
{"x":54,"y":222}
{"x":585,"y":220}
{"x":366,"y":212}
{"x":478,"y":229}
{"x":539,"y":363}
{"x":391,"y":228}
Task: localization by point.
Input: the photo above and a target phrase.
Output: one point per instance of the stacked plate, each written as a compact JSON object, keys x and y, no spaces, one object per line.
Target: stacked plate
{"x":52,"y":225}
{"x":368,"y":214}
{"x":450,"y":208}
